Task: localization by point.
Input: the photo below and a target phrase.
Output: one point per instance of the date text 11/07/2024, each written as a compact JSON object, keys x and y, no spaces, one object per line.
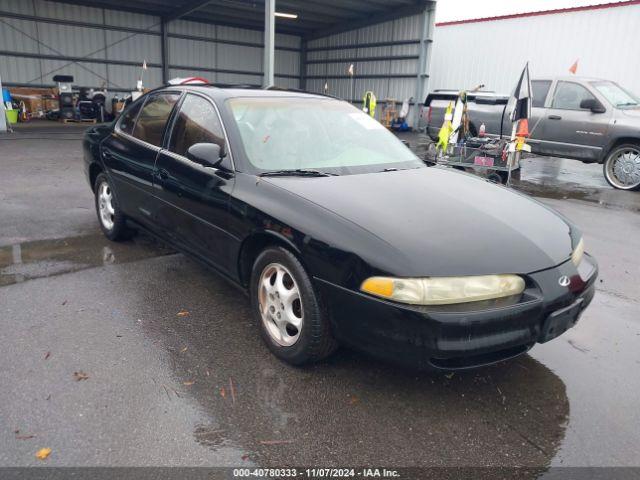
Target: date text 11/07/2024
{"x":316,"y":472}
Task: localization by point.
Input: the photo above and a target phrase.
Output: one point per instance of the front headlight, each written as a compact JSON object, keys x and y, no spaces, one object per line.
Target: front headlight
{"x":578,"y":252}
{"x":443,"y":290}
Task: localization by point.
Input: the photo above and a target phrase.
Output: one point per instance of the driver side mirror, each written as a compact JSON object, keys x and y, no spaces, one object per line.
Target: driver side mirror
{"x":592,"y":104}
{"x":206,"y":154}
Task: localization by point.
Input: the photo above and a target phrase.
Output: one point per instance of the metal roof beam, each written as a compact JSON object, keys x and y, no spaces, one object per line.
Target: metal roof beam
{"x":338,"y":8}
{"x":148,"y":9}
{"x":241,"y":10}
{"x":187,"y":9}
{"x":379,"y":17}
{"x":368,"y":6}
{"x":313,"y":8}
{"x":204,"y":17}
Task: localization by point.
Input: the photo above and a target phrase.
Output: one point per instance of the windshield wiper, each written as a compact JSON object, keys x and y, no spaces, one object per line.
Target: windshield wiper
{"x":297,"y":172}
{"x":394,"y":169}
{"x":627,"y":104}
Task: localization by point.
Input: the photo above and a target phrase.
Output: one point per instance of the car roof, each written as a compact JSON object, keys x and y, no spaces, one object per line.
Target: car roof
{"x":570,"y":78}
{"x":488,"y":93}
{"x":224,"y":93}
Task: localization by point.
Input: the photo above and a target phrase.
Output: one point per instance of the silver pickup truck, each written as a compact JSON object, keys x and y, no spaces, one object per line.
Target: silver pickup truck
{"x":582,"y":118}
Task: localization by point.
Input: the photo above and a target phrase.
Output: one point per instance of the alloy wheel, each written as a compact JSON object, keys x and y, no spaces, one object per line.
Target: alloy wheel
{"x":105,"y":205}
{"x":280,"y":304}
{"x":623,"y":168}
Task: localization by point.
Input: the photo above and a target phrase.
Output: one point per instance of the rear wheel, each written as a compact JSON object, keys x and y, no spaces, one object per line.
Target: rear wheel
{"x":622,"y":167}
{"x":285,"y":305}
{"x":112,"y":221}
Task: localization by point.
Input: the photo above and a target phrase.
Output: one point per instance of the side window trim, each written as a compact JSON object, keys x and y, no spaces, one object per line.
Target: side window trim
{"x":168,"y":127}
{"x":555,"y":93}
{"x":172,"y":122}
{"x":165,"y":146}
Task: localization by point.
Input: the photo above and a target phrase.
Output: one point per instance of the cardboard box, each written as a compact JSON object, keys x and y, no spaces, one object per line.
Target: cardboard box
{"x":51,"y":103}
{"x":32,"y":98}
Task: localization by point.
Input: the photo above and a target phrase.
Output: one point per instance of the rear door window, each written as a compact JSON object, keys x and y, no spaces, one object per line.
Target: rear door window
{"x":128,"y":120}
{"x":153,"y":117}
{"x":540,"y":89}
{"x":197,"y":122}
{"x":569,"y":95}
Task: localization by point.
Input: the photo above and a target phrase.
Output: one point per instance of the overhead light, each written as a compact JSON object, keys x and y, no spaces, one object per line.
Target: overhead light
{"x":286,"y":15}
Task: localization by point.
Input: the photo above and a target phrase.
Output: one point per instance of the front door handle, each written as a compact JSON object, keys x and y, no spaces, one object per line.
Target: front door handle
{"x":163,"y":174}
{"x":554,"y":117}
{"x":106,"y":155}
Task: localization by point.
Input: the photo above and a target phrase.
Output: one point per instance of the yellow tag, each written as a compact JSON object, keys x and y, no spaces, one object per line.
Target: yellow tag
{"x":43,"y":453}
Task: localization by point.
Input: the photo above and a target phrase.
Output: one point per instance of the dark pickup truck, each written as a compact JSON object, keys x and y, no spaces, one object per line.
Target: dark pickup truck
{"x":586,"y":119}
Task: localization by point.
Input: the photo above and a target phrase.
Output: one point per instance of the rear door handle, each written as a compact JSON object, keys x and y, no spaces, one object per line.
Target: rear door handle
{"x":106,"y":154}
{"x":554,"y":117}
{"x":163,"y":174}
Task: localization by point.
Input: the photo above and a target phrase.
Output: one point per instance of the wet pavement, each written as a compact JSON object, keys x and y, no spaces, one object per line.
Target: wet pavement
{"x":177,"y":373}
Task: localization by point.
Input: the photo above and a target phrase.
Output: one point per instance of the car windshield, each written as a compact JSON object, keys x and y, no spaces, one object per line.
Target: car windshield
{"x":323,"y":135}
{"x":616,"y":95}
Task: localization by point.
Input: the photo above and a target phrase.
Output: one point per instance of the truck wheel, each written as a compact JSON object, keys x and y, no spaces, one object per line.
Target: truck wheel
{"x":495,"y":177}
{"x":622,"y":167}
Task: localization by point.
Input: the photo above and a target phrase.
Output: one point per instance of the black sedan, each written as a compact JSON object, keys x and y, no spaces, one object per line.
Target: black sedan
{"x":336,"y":230}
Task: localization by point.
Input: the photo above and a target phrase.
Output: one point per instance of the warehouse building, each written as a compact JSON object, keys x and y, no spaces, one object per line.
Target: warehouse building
{"x":342,"y":47}
{"x":602,"y":39}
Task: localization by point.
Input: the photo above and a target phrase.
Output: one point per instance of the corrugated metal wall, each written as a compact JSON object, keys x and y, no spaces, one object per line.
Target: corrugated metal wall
{"x":397,"y":45}
{"x":39,"y":39}
{"x":605,"y":41}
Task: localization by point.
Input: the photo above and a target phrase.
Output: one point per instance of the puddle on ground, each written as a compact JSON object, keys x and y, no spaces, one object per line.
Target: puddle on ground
{"x":608,"y":198}
{"x":44,"y":258}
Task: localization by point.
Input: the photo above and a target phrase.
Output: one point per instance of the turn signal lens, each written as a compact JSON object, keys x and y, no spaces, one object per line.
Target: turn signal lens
{"x":379,"y":286}
{"x":443,"y":290}
{"x":578,"y":252}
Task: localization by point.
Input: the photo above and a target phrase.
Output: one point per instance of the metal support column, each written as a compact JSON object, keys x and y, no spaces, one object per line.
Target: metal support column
{"x":303,"y":64}
{"x":3,"y":115}
{"x":422,"y":80}
{"x":164,"y":51}
{"x":269,"y":42}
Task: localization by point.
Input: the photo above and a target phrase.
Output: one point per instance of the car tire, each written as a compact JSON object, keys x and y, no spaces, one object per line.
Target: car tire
{"x":292,"y":321}
{"x":621,"y":168}
{"x":111,"y":219}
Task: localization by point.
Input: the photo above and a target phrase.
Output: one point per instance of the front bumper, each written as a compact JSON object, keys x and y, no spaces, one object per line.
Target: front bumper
{"x":467,"y":335}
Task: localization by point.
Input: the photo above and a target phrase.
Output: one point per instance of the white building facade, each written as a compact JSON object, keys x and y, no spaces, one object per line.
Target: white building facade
{"x":603,"y":38}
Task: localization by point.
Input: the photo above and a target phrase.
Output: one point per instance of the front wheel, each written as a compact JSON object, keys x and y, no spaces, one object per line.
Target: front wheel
{"x":622,"y":167}
{"x":293,"y":324}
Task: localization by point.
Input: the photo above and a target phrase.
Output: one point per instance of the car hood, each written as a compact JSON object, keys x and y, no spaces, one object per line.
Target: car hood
{"x":438,"y":222}
{"x":631,"y":112}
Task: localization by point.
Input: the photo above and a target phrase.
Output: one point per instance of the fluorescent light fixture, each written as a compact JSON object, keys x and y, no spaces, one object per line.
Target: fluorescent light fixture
{"x":286,"y":15}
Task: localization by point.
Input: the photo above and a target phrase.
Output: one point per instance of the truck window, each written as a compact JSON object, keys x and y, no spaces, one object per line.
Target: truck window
{"x":569,"y":95}
{"x":540,"y":89}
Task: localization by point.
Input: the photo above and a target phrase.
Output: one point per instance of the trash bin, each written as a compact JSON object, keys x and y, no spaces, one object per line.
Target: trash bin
{"x":6,"y":96}
{"x":12,"y":116}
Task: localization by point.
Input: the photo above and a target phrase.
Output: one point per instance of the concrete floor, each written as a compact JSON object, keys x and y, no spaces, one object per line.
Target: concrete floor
{"x":201,"y":389}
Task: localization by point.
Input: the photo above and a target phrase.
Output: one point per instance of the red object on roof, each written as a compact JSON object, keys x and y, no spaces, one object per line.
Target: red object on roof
{"x":602,"y":6}
{"x":188,"y":81}
{"x":194,"y":81}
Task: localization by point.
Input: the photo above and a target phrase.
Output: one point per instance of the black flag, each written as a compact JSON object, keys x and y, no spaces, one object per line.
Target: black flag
{"x":523,"y":96}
